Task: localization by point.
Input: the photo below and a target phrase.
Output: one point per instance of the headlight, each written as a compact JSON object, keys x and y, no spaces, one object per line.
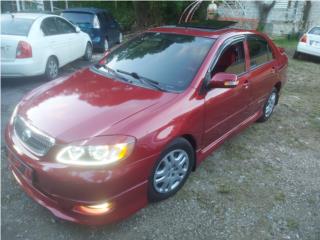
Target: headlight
{"x":95,"y":155}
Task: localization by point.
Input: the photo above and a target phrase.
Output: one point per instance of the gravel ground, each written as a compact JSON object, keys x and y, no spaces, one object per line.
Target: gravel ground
{"x":262,"y":184}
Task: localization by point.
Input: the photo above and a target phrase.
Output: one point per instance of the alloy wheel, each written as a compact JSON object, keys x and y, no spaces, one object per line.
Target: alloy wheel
{"x":171,"y":171}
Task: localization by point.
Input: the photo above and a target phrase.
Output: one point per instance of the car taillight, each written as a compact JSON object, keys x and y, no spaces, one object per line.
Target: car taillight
{"x":24,"y":50}
{"x":303,"y":39}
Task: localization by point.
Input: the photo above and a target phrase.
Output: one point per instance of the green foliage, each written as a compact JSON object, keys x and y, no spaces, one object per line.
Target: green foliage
{"x":134,"y":15}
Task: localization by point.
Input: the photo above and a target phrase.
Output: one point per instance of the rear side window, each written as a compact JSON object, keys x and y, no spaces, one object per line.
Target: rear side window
{"x":15,"y":26}
{"x":83,"y":20}
{"x":259,"y":51}
{"x":64,"y":27}
{"x":315,"y":31}
{"x":49,"y":27}
{"x":232,"y":60}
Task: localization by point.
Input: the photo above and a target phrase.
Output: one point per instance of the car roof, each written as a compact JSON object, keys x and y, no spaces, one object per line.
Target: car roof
{"x":200,"y":32}
{"x":32,"y":16}
{"x":86,"y":10}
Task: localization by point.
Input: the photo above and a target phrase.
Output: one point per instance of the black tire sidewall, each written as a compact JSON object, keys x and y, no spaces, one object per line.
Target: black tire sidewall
{"x":86,"y":57}
{"x":179,"y":143}
{"x":264,"y":118}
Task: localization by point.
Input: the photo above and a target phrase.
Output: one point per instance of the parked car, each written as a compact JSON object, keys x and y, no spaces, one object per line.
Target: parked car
{"x":101,"y":26}
{"x":309,"y":43}
{"x":99,"y":145}
{"x":35,"y":44}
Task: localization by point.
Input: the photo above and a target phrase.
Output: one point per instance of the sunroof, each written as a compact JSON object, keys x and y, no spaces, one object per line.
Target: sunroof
{"x":208,"y":24}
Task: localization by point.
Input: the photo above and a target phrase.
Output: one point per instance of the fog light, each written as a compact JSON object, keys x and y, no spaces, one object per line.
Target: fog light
{"x":93,"y":209}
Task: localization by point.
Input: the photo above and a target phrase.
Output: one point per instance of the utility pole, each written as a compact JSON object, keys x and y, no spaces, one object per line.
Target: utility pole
{"x":51,"y":5}
{"x":67,"y":4}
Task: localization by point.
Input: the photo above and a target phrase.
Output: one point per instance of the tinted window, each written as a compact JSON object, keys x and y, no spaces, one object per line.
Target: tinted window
{"x":49,"y":27}
{"x":259,"y":51}
{"x":80,"y":19}
{"x":15,"y":26}
{"x":232,"y":60}
{"x":315,"y":31}
{"x":170,"y":59}
{"x":64,"y":27}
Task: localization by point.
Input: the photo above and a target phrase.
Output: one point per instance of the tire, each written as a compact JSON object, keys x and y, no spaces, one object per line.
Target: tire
{"x":120,"y":38}
{"x":52,"y":68}
{"x":269,"y":105}
{"x":88,"y":53}
{"x":296,"y":55}
{"x":171,"y":170}
{"x":106,"y":45}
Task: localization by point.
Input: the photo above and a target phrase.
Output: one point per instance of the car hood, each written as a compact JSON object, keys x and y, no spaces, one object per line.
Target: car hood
{"x":85,"y":105}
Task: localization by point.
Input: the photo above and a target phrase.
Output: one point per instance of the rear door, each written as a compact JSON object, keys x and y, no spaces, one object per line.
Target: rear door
{"x":263,"y":71}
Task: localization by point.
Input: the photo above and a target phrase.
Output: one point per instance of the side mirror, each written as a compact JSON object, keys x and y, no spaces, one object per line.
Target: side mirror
{"x":223,"y":80}
{"x":77,"y":29}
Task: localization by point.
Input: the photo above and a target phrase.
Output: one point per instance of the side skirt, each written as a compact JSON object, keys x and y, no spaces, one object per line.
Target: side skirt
{"x":205,"y":152}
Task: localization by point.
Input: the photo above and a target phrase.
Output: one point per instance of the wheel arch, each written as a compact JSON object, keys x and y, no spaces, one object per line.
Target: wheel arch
{"x":192,"y":140}
{"x":278,"y":86}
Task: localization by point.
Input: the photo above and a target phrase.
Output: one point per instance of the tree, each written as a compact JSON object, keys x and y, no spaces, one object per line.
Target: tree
{"x":264,"y":10}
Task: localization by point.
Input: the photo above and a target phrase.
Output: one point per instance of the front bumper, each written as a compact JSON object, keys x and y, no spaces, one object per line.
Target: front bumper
{"x":61,"y":193}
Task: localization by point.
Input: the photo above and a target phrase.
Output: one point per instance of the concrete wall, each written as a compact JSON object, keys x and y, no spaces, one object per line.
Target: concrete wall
{"x":284,"y":18}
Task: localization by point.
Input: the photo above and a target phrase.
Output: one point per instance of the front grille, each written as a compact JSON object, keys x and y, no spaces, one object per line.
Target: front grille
{"x":31,"y":138}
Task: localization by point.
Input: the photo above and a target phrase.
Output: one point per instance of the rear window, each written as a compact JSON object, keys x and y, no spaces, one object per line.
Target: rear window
{"x":78,"y":18}
{"x":15,"y":26}
{"x":315,"y":31}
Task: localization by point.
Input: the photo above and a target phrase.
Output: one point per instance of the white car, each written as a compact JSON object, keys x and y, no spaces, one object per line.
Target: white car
{"x":309,"y":43}
{"x":36,"y":44}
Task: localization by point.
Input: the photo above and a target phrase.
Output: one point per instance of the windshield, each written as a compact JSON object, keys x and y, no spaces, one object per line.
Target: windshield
{"x":15,"y":26}
{"x":170,"y":60}
{"x":80,"y":19}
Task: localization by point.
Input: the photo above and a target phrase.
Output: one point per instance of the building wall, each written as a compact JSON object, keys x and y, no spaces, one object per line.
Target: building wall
{"x":284,"y":18}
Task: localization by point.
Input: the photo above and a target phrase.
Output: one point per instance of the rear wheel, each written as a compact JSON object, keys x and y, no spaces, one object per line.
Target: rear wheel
{"x":171,"y":170}
{"x":269,"y":105}
{"x":297,"y":55}
{"x":120,"y":38}
{"x":106,"y":45}
{"x":88,"y":54}
{"x":52,"y":68}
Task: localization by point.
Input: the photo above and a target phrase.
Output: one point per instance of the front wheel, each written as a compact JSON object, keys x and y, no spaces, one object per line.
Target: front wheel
{"x":171,"y":170}
{"x":269,"y":106}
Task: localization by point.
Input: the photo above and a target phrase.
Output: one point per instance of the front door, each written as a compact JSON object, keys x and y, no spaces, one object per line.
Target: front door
{"x":226,"y":108}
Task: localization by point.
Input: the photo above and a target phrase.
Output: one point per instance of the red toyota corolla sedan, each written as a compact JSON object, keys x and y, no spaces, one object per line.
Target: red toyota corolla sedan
{"x":97,"y":146}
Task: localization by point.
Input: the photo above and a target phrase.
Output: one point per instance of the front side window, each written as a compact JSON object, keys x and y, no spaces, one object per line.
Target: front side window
{"x":64,"y":27}
{"x":49,"y":27}
{"x":170,"y":60}
{"x":232,"y":60}
{"x":259,"y":50}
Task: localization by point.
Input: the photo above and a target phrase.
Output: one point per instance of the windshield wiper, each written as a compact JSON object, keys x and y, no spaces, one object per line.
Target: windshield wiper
{"x":143,"y":80}
{"x":112,"y":71}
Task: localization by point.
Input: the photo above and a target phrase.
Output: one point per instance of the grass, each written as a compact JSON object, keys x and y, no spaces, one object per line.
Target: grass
{"x":286,"y":43}
{"x":292,"y":224}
